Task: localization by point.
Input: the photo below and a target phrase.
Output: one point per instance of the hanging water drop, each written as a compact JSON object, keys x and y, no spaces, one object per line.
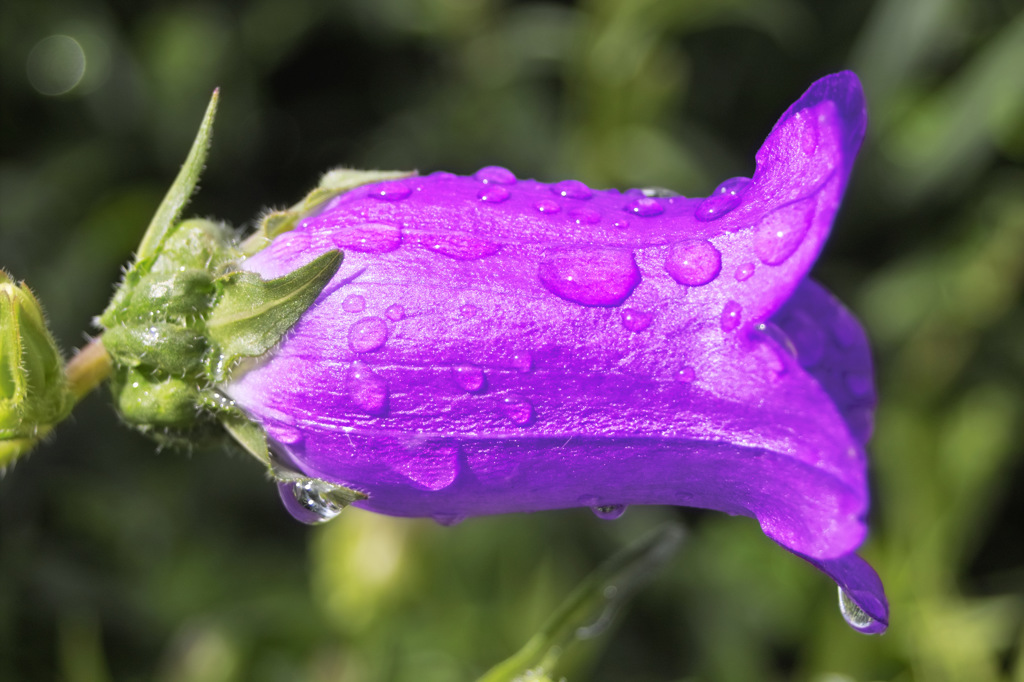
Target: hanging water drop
{"x":310,"y":501}
{"x":609,"y":512}
{"x":856,"y":617}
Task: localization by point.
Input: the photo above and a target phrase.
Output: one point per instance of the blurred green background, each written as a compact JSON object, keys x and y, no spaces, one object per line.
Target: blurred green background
{"x":118,"y":562}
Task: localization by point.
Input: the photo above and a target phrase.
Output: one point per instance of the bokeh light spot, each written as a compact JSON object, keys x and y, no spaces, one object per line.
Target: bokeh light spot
{"x":55,"y":65}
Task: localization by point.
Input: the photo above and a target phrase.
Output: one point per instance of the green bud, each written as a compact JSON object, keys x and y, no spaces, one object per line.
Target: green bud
{"x":196,"y":244}
{"x":165,"y":346}
{"x":34,"y":394}
{"x":154,"y":401}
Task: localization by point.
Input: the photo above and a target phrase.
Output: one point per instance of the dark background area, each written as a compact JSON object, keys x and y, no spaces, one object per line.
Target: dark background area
{"x":119,"y":562}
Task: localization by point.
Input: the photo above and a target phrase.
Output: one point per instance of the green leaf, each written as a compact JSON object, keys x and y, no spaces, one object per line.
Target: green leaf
{"x":249,"y":435}
{"x":252,"y":314}
{"x":182,"y":187}
{"x":591,"y":606}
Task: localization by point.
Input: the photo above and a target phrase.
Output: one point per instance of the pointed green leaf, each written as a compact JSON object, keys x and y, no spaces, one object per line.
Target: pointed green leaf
{"x":247,"y":434}
{"x":252,"y":313}
{"x":182,"y":187}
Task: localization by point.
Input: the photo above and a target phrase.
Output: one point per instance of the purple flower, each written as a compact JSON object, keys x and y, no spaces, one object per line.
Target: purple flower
{"x":494,"y":345}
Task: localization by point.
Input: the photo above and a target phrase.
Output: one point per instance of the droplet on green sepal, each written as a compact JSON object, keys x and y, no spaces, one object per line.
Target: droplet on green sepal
{"x":165,"y":346}
{"x":34,"y":392}
{"x":252,"y":313}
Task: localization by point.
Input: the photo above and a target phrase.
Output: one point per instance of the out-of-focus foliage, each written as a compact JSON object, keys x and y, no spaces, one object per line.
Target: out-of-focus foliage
{"x":118,"y":563}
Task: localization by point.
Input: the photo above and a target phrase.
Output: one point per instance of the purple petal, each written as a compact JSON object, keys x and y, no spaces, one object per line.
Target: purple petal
{"x":714,"y":401}
{"x":863,"y":587}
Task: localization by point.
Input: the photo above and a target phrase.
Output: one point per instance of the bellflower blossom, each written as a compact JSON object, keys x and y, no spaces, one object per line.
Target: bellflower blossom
{"x":494,"y":345}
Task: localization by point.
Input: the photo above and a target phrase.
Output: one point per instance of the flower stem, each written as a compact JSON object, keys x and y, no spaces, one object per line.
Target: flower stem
{"x":87,"y":370}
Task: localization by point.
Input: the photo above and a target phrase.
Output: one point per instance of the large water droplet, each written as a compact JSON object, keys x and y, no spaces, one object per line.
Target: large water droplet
{"x":686,"y":375}
{"x":856,"y":617}
{"x":609,"y":512}
{"x":645,"y":206}
{"x":636,"y":320}
{"x":572,"y":189}
{"x":780,"y":233}
{"x":495,"y":174}
{"x":547,"y":206}
{"x":518,"y":409}
{"x":744,"y":271}
{"x":493,"y":195}
{"x":598,"y":277}
{"x":368,"y":389}
{"x":457,"y":245}
{"x":395,"y":312}
{"x":354,"y":304}
{"x":731,"y":316}
{"x":368,"y":237}
{"x":368,"y":334}
{"x":694,"y":262}
{"x":309,"y":501}
{"x":469,"y":378}
{"x":391,"y":191}
{"x":725,"y":198}
{"x":584,"y":216}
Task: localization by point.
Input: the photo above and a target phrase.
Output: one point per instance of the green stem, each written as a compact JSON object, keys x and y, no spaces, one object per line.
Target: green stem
{"x":88,"y":369}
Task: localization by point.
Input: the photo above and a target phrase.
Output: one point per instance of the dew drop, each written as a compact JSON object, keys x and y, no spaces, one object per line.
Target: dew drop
{"x":309,"y":501}
{"x":448,"y":519}
{"x":780,"y":233}
{"x":636,"y":320}
{"x":283,"y":433}
{"x":395,"y":312}
{"x":368,"y":237}
{"x":745,"y":271}
{"x":596,"y":277}
{"x":368,"y":389}
{"x":457,"y":245}
{"x":572,"y":189}
{"x":609,"y":512}
{"x":391,"y":191}
{"x":584,"y":216}
{"x":469,"y":378}
{"x":725,"y":198}
{"x":354,"y":304}
{"x":495,"y":174}
{"x":694,"y":262}
{"x":368,"y":334}
{"x":493,"y":195}
{"x":731,"y":316}
{"x":518,"y":409}
{"x":621,"y":224}
{"x":433,"y":465}
{"x":645,"y":206}
{"x":522,"y":361}
{"x":658,"y":192}
{"x":686,"y":375}
{"x":469,"y":310}
{"x":547,"y":206}
{"x":856,"y":617}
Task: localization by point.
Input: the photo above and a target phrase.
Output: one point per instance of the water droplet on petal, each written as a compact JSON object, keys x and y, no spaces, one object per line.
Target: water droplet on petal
{"x":495,"y":174}
{"x":469,"y":310}
{"x":368,"y":389}
{"x":636,"y":320}
{"x":584,"y":216}
{"x":391,"y":191}
{"x":309,"y":501}
{"x":572,"y":189}
{"x":518,"y":409}
{"x":522,"y":361}
{"x":731,"y":316}
{"x":856,"y":617}
{"x":457,"y":245}
{"x":395,"y":312}
{"x":367,"y":334}
{"x":780,"y":233}
{"x":598,"y":277}
{"x":686,"y":375}
{"x":493,"y":195}
{"x":645,"y":206}
{"x":621,"y":224}
{"x":745,"y":271}
{"x":547,"y":206}
{"x":368,"y":237}
{"x":694,"y":262}
{"x":433,"y":465}
{"x":283,"y":433}
{"x":448,"y":519}
{"x":469,"y":378}
{"x":354,"y":304}
{"x":609,"y":512}
{"x":725,"y":198}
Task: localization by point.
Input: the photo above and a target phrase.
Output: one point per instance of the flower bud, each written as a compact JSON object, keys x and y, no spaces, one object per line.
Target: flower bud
{"x":34,"y":394}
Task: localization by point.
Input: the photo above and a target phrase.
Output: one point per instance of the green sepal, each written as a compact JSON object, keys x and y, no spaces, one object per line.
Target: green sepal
{"x":249,"y":435}
{"x":332,"y":183}
{"x":34,"y":391}
{"x":166,"y":346}
{"x":152,"y":400}
{"x":252,"y":314}
{"x":182,"y":187}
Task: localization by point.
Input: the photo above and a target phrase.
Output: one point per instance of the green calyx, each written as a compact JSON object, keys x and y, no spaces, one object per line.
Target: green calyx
{"x":34,"y":392}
